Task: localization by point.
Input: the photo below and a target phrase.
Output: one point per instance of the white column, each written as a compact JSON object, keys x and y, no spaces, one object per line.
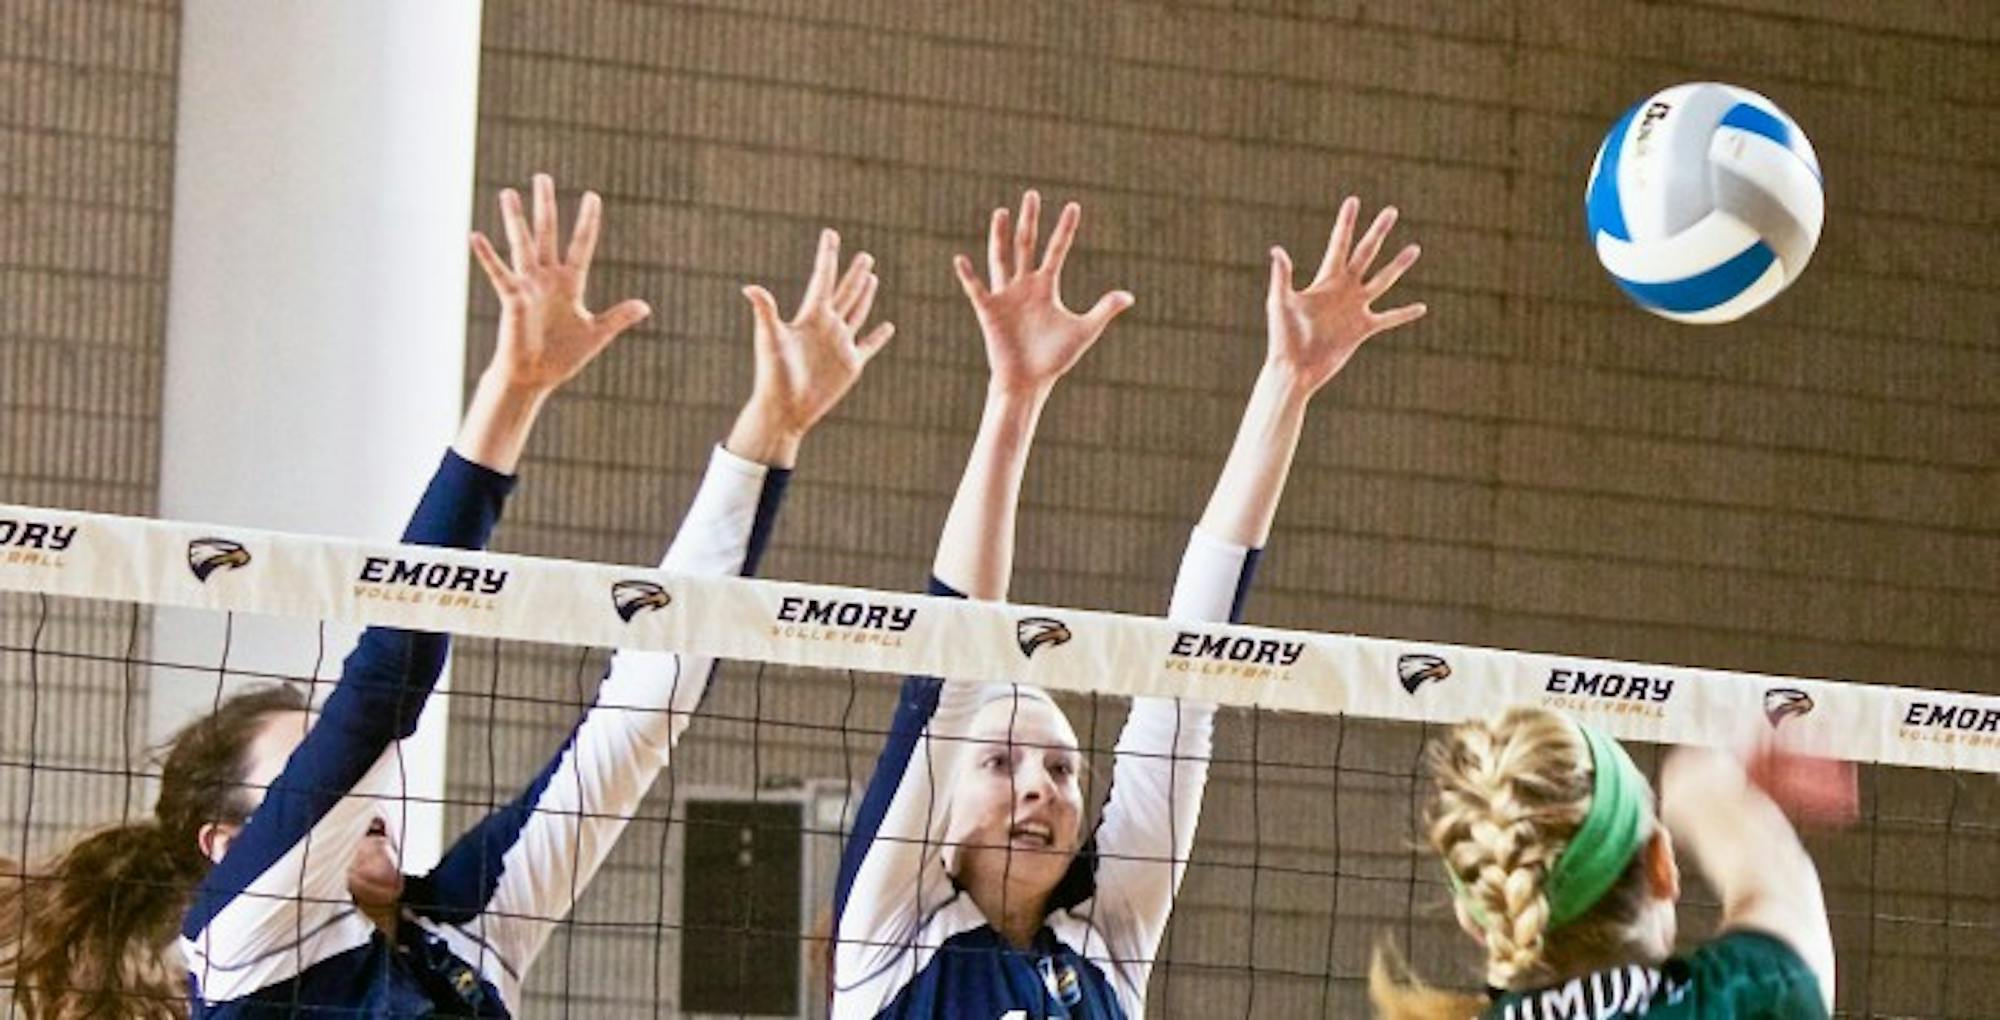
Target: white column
{"x":316,"y":304}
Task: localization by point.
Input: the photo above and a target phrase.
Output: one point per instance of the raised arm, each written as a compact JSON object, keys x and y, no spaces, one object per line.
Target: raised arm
{"x":1032,"y":340}
{"x":1161,"y":764}
{"x":1738,"y":835}
{"x":284,"y":875}
{"x":509,"y":881}
{"x":1309,"y":336}
{"x":892,"y":872}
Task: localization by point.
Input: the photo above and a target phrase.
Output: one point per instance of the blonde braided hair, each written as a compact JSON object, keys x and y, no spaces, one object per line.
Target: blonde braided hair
{"x":1511,"y":795}
{"x":1512,"y":792}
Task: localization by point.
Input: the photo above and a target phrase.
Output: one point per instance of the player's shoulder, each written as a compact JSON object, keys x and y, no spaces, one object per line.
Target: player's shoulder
{"x":1755,"y":973}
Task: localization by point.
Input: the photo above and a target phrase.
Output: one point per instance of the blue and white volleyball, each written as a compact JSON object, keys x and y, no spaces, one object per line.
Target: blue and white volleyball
{"x":1705,"y":201}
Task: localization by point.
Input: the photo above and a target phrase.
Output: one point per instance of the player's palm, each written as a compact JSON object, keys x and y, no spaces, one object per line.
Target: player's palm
{"x":547,"y":334}
{"x":1314,"y":331}
{"x":1032,"y":339}
{"x":806,"y":364}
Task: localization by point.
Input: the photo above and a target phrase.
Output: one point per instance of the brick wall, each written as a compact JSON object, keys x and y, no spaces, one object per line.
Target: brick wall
{"x":86,"y":184}
{"x":1537,"y":465}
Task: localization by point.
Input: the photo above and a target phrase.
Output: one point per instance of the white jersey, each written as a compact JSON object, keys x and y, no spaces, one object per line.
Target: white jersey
{"x":911,"y":944}
{"x":289,"y":936}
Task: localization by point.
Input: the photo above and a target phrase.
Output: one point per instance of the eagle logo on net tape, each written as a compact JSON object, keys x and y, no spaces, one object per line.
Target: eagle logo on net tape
{"x":1034,"y":633}
{"x":1416,"y":669}
{"x":205,"y":556}
{"x":1782,"y":703}
{"x":630,"y":598}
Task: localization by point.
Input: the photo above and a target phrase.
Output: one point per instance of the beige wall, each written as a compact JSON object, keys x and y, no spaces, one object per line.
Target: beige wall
{"x":1537,"y":465}
{"x":86,"y":186}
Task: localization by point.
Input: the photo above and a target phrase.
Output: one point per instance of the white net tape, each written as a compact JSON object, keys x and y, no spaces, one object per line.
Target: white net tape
{"x":524,"y":598}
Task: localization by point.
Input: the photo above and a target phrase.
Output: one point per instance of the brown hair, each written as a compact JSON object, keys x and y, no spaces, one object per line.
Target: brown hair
{"x":90,"y":931}
{"x":1512,"y":791}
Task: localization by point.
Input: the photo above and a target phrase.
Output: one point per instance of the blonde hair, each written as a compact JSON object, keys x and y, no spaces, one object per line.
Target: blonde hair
{"x":1512,"y":791}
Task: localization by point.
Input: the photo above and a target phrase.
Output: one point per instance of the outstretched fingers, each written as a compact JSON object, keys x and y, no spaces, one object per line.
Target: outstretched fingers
{"x":826,"y":263}
{"x":497,"y":273}
{"x":545,"y":219}
{"x":1382,"y":281}
{"x":1336,"y":244}
{"x":1027,"y":231}
{"x":1281,"y":273}
{"x":1061,"y":238}
{"x":858,"y":315}
{"x":619,"y":318}
{"x":848,"y":291}
{"x":520,"y":243}
{"x":1370,"y":244}
{"x":968,"y":279}
{"x":1107,"y":308}
{"x":1399,"y":316}
{"x":999,"y":250}
{"x":764,"y":311}
{"x":877,"y":338}
{"x":583,"y":241}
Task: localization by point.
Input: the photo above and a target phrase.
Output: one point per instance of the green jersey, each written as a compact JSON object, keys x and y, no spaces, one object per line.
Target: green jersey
{"x":1742,"y":975}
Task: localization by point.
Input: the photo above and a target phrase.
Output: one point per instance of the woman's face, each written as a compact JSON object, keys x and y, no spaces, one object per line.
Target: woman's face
{"x":374,"y":876}
{"x":1017,"y":809}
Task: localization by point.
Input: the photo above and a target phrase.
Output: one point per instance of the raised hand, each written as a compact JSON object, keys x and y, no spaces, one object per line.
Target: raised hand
{"x":1815,"y":792}
{"x":1314,"y":331}
{"x":807,"y":363}
{"x":1031,"y":338}
{"x":547,"y":334}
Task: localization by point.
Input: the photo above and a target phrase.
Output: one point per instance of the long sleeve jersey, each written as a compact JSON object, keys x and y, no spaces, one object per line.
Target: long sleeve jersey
{"x":273,"y":931}
{"x":911,"y":944}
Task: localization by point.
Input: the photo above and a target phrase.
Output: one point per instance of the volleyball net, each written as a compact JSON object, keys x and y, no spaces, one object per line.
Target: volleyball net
{"x":715,"y":899}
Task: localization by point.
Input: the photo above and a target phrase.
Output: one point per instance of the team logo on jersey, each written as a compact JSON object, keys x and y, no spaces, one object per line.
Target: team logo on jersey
{"x":208,"y":555}
{"x":1416,"y":669}
{"x":1061,"y":980}
{"x":1781,"y":703}
{"x":1035,"y":632}
{"x":34,"y":543}
{"x":631,"y":598}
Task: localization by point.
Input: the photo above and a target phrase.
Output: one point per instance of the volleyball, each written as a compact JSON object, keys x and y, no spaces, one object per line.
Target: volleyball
{"x":1705,"y":200}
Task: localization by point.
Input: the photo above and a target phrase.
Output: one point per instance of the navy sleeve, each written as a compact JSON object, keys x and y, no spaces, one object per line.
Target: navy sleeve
{"x":915,"y":705}
{"x":382,"y":689}
{"x":392,"y":671}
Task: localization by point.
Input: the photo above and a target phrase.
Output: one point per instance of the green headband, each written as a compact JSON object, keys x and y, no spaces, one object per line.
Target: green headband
{"x":1604,"y":845}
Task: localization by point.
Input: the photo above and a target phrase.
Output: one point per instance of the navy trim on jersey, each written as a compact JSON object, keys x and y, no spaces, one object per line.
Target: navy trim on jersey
{"x":466,"y":877}
{"x":776,"y":481}
{"x":915,"y":705}
{"x":383,"y":685}
{"x":1250,"y":559}
{"x":936,"y":956}
{"x":382,"y":689}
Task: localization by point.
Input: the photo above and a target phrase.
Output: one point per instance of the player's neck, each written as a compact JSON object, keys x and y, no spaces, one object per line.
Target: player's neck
{"x":1016,"y":914}
{"x":383,"y":916}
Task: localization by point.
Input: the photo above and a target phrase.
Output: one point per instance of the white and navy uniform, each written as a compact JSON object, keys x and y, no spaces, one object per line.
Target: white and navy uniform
{"x":273,"y":932}
{"x":911,"y":944}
